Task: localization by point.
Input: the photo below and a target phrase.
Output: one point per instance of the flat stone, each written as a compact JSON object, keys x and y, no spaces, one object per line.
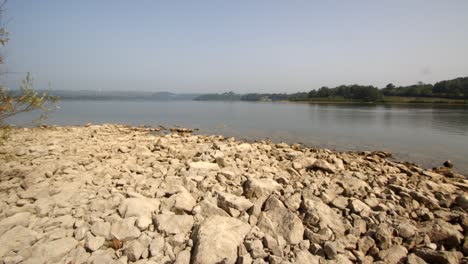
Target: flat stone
{"x":101,"y":229}
{"x":276,"y":219}
{"x":125,"y":230}
{"x":202,"y":165}
{"x":134,"y":250}
{"x":394,"y":255}
{"x":227,"y":200}
{"x":217,"y":240}
{"x":94,"y":243}
{"x":174,"y":224}
{"x":323,"y":165}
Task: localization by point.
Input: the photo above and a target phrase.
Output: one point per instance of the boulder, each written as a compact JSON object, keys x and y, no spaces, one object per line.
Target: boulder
{"x":321,"y":215}
{"x":217,"y":240}
{"x":125,"y":230}
{"x":203,"y":165}
{"x":276,"y":220}
{"x":260,"y":188}
{"x":323,"y":165}
{"x":227,"y":200}
{"x":394,"y":255}
{"x":16,"y":238}
{"x":174,"y":224}
{"x":134,"y":250}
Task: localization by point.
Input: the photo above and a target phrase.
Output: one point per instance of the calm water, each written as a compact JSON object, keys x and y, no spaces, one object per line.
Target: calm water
{"x":427,"y":135}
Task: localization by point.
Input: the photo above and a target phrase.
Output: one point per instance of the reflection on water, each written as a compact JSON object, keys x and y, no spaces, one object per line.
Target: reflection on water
{"x":425,"y":134}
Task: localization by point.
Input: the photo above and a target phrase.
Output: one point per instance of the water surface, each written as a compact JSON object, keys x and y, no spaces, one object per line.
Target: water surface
{"x":427,"y":135}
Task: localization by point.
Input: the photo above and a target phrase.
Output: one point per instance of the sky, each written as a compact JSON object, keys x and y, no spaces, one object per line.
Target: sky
{"x":242,"y":45}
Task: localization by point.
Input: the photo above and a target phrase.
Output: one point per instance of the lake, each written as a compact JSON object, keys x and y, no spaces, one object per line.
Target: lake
{"x":426,"y":135}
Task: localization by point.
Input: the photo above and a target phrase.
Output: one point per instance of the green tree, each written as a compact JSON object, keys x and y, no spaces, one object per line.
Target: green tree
{"x":25,"y":99}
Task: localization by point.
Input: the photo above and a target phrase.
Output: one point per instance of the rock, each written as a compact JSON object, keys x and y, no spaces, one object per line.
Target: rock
{"x":208,"y":209}
{"x":101,"y":229}
{"x":394,"y":255}
{"x":156,"y":247}
{"x":202,"y":165}
{"x":260,"y":188}
{"x":94,"y":243}
{"x":125,"y":230}
{"x":448,"y":164}
{"x":406,"y":230}
{"x":184,"y":201}
{"x":174,"y":224}
{"x":462,"y":201}
{"x":273,"y":245}
{"x":19,"y":219}
{"x":227,"y":200}
{"x":102,"y":257}
{"x":383,"y":237}
{"x":359,"y":207}
{"x":440,"y":231}
{"x":304,"y":257}
{"x":413,"y":259}
{"x":293,"y":202}
{"x":134,"y":250}
{"x":183,"y":257}
{"x":80,"y":232}
{"x":276,"y":219}
{"x":54,"y":251}
{"x":439,"y":257}
{"x":321,"y":215}
{"x":330,"y":249}
{"x":323,"y":165}
{"x":255,"y":248}
{"x":365,"y":243}
{"x":217,"y":239}
{"x":16,"y":238}
{"x":138,"y":207}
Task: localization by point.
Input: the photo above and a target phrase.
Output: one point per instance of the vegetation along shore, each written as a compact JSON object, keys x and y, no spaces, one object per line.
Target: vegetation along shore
{"x":119,"y":194}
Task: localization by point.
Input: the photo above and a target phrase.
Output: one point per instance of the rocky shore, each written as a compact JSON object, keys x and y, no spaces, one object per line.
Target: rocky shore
{"x":117,"y":194}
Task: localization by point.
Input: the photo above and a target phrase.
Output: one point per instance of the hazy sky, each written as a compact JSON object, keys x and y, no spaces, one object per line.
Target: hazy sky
{"x":219,"y":45}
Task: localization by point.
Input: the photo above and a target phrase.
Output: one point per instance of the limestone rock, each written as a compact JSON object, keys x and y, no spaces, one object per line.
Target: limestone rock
{"x":227,"y":200}
{"x":217,"y":239}
{"x":125,"y":230}
{"x":276,"y":219}
{"x":174,"y":224}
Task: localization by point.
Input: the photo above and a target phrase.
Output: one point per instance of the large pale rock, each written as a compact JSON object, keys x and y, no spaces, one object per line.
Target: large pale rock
{"x":445,"y":233}
{"x":305,"y":257}
{"x":156,"y":247}
{"x":183,"y":201}
{"x":260,"y":188}
{"x":138,"y":207}
{"x":125,"y":230}
{"x":203,"y":165}
{"x":208,"y":209}
{"x":19,"y":219}
{"x":323,"y":165}
{"x":217,"y":240}
{"x":394,"y":255}
{"x":227,"y":200}
{"x":53,"y":251}
{"x":174,"y":224}
{"x":134,"y":250}
{"x":16,"y":238}
{"x":94,"y":243}
{"x":276,"y":220}
{"x":101,"y":229}
{"x":321,"y":215}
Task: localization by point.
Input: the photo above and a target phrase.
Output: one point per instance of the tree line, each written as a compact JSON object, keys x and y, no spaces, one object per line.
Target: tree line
{"x":450,"y":89}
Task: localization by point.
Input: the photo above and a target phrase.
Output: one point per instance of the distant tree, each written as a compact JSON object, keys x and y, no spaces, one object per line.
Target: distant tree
{"x":19,"y":101}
